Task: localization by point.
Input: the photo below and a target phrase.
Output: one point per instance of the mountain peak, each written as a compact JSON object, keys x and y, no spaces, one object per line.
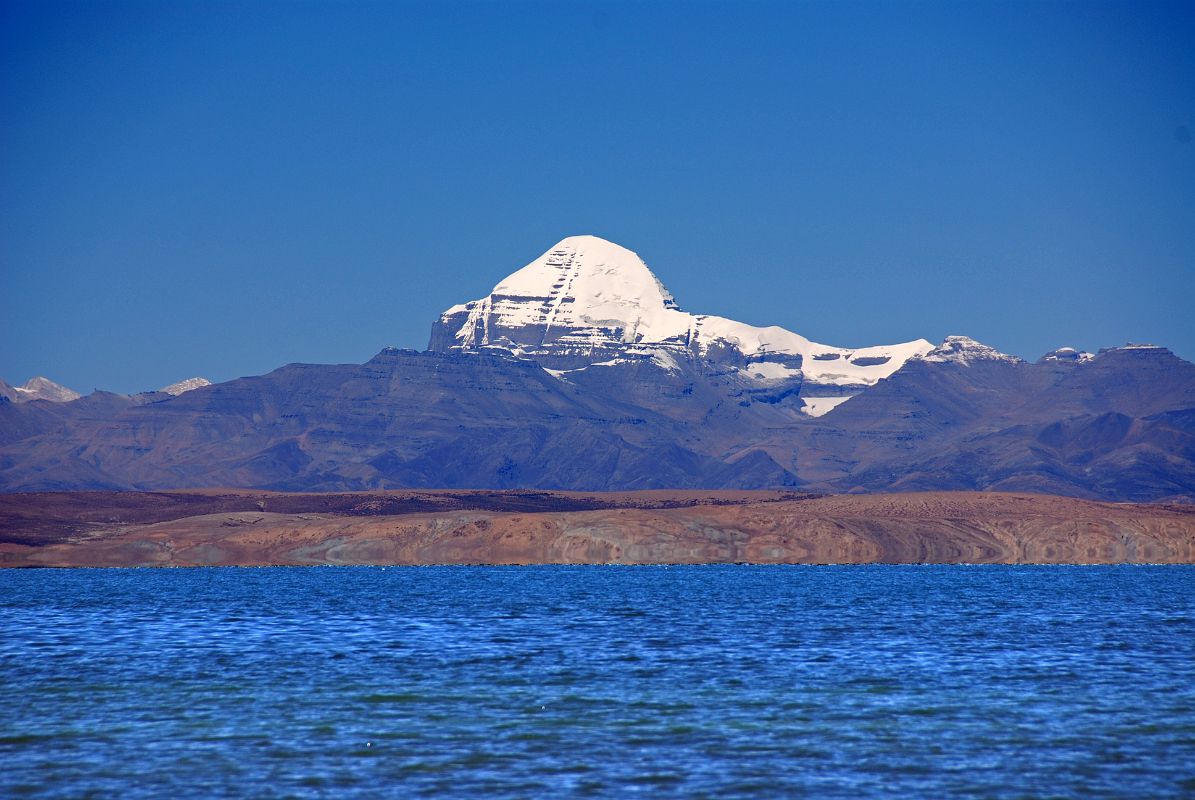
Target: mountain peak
{"x":589,"y":301}
{"x":42,"y":388}
{"x":581,"y":290}
{"x":601,"y":280}
{"x":965,"y":350}
{"x":1067,"y":355}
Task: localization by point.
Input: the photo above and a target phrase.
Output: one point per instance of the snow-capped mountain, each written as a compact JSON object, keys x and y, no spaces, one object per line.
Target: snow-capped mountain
{"x":580,"y":371}
{"x":39,"y":388}
{"x":1067,"y":355}
{"x":587,"y":301}
{"x":965,"y":350}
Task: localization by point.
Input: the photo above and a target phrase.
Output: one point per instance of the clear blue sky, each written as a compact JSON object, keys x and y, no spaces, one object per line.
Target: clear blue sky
{"x":221,"y":188}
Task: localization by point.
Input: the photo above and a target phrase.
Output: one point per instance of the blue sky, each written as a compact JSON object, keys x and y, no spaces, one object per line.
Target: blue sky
{"x":218,"y":189}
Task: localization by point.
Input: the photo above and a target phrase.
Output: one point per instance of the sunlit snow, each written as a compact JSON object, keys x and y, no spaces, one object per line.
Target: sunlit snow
{"x":586,"y":294}
{"x":817,"y":406}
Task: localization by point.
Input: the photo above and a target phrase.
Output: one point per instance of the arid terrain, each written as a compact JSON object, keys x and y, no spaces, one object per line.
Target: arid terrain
{"x":249,"y":528}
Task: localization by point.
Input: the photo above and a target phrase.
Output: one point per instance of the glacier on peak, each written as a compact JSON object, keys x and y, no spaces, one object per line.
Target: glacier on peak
{"x":587,"y":301}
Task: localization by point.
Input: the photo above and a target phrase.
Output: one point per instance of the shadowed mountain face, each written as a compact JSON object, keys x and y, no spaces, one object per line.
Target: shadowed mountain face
{"x":559,"y":380}
{"x":1120,"y":426}
{"x":402,"y":419}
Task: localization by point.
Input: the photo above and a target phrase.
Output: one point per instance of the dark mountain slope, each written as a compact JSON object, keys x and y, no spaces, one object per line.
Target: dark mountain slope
{"x":1116,"y":427}
{"x":402,"y":419}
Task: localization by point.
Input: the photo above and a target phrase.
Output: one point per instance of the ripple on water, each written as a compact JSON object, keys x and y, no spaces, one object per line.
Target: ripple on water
{"x":850,"y":682}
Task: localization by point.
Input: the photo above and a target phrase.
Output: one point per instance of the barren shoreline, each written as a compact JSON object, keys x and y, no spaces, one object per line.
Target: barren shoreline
{"x":249,"y":528}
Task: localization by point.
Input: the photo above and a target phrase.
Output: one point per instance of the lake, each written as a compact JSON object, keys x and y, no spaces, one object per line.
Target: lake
{"x":718,"y":681}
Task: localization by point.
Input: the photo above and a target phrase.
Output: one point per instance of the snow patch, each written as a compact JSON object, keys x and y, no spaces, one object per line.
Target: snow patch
{"x":185,"y":386}
{"x":770,"y":371}
{"x":1132,"y":346}
{"x":818,"y":406}
{"x":1068,"y":355}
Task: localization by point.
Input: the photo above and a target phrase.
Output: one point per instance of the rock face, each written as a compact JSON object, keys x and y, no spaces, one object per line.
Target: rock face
{"x":580,"y":372}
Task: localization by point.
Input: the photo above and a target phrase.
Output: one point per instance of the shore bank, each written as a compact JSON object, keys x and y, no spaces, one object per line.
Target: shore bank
{"x":244,"y":528}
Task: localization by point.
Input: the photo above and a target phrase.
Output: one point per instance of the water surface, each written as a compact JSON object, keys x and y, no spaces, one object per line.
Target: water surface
{"x":722,"y":681}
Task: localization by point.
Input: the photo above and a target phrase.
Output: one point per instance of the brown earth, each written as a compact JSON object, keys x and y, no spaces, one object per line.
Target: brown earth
{"x":222,"y":527}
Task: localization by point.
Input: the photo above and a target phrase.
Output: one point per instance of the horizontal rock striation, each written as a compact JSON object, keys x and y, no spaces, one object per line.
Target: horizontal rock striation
{"x":656,"y":528}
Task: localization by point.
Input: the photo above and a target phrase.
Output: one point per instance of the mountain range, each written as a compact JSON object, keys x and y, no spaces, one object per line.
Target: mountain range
{"x":580,"y":371}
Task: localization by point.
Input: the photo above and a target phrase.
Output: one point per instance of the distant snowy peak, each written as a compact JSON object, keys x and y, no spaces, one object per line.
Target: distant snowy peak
{"x":965,"y":350}
{"x":588,"y":279}
{"x":587,"y":301}
{"x":185,"y":386}
{"x":41,"y":388}
{"x":583,"y":292}
{"x":1068,"y":355}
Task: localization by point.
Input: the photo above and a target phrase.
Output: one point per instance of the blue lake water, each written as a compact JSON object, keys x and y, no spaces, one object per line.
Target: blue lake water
{"x":726,"y":681}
